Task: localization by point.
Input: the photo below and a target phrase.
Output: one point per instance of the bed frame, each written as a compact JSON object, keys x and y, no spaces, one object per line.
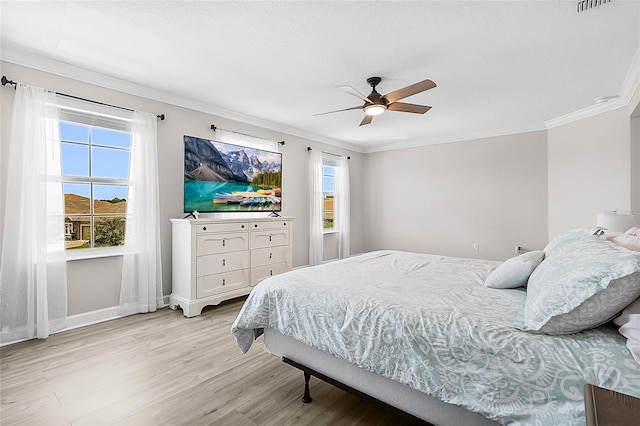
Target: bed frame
{"x":364,"y":383}
{"x":400,"y":415}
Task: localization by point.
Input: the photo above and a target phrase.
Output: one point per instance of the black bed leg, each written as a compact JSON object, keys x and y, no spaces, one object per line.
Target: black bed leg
{"x":307,"y":395}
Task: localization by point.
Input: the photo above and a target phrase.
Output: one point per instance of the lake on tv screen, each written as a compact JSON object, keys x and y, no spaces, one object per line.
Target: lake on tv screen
{"x":200,"y":196}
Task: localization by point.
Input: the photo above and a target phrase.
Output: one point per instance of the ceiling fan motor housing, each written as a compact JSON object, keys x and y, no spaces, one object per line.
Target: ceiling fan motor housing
{"x":377,"y":100}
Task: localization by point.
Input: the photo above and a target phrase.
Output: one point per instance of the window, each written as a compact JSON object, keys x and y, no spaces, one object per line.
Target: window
{"x":328,"y":198}
{"x":95,"y":175}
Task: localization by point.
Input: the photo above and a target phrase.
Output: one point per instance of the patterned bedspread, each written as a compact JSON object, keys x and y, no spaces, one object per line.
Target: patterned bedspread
{"x":428,"y":322}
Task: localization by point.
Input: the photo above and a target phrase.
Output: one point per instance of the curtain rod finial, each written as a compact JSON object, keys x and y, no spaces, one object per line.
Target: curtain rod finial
{"x":213,"y":127}
{"x":309,"y":148}
{"x":161,"y":117}
{"x":6,"y":81}
{"x":281,"y":143}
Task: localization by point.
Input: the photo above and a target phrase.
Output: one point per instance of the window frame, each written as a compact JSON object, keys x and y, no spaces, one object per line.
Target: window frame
{"x":101,"y":116}
{"x":328,"y":161}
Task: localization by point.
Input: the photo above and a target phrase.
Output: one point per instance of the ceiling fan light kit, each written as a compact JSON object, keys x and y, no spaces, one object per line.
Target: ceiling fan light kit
{"x":376,"y":104}
{"x":374,"y":109}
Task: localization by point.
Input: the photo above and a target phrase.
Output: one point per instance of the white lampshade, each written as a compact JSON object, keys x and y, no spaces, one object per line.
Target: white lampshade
{"x":615,"y":222}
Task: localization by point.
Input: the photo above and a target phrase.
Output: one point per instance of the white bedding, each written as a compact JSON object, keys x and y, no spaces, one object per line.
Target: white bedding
{"x":427,"y":321}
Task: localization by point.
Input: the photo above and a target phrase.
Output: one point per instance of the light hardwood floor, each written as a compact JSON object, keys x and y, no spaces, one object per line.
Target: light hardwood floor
{"x":163,"y":368}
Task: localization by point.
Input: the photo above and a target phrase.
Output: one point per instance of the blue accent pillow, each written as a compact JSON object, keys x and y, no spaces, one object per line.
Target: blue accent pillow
{"x":584,"y":281}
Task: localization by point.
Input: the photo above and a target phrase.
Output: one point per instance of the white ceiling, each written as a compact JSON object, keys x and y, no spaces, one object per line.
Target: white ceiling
{"x":500,"y":66}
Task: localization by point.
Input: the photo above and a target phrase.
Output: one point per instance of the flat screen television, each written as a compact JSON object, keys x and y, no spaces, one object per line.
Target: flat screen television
{"x":222,"y":177}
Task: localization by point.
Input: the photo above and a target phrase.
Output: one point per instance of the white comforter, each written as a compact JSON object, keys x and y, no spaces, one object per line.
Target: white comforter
{"x":428,"y":322}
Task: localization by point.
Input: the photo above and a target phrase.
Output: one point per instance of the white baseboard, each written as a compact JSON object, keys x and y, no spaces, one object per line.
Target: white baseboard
{"x":88,"y":318}
{"x":95,"y":317}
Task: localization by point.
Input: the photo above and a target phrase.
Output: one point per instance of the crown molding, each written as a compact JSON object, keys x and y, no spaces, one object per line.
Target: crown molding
{"x":628,"y":89}
{"x":62,"y":69}
{"x":462,"y":137}
{"x":19,"y":57}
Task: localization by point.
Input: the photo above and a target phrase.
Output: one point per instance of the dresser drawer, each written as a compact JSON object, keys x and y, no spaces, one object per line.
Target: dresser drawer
{"x":221,"y":243}
{"x":269,"y":255}
{"x":272,"y":224}
{"x":224,"y":262}
{"x":220,"y":283}
{"x":270,"y":238}
{"x":207,"y":228}
{"x":259,"y":273}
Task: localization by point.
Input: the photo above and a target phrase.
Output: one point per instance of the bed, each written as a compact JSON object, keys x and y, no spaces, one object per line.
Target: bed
{"x":424,"y":333}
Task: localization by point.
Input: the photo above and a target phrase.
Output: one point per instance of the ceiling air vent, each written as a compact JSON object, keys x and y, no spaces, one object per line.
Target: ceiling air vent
{"x":584,"y":5}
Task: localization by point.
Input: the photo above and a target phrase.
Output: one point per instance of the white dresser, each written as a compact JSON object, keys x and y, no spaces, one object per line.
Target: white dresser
{"x":219,"y":259}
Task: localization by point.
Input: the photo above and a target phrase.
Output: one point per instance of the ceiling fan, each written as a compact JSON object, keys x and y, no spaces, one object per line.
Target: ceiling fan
{"x":376,"y":104}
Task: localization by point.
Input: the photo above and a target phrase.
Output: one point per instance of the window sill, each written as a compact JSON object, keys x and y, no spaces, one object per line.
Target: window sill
{"x":82,"y":254}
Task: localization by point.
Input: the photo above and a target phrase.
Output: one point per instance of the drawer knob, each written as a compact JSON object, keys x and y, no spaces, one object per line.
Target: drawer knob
{"x":255,"y":225}
{"x":224,"y":281}
{"x":271,"y":272}
{"x":270,"y":255}
{"x":204,"y":228}
{"x":224,"y":262}
{"x":242,"y":226}
{"x":269,"y":238}
{"x":224,"y":243}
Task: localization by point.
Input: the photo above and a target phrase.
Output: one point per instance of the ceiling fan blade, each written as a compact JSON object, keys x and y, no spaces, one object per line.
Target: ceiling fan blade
{"x":340,"y":110}
{"x":405,"y":92}
{"x":355,"y":93}
{"x":401,"y":106}
{"x":366,"y":120}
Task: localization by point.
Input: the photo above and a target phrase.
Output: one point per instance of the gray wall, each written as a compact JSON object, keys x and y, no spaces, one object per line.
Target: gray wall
{"x":444,"y":198}
{"x":589,"y":169}
{"x":635,"y":161}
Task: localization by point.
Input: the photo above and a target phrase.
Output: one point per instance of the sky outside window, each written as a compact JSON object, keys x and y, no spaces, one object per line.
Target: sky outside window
{"x":109,"y":163}
{"x":94,"y":152}
{"x":328,"y":179}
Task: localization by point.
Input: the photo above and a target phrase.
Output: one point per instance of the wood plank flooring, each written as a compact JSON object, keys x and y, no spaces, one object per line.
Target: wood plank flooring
{"x":164,"y":369}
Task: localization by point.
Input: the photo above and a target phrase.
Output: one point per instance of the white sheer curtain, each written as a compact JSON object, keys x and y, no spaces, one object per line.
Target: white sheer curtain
{"x":343,"y":207}
{"x":33,"y":274}
{"x":316,"y":247}
{"x":141,"y":288}
{"x":246,"y":140}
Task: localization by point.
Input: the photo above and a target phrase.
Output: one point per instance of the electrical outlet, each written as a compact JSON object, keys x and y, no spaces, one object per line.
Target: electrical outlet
{"x":476,"y":246}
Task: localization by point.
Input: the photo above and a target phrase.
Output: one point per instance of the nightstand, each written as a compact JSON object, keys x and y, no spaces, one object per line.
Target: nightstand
{"x":605,"y":407}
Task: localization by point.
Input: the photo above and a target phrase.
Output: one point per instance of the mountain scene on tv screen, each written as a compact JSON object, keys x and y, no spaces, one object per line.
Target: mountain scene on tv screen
{"x":228,"y":177}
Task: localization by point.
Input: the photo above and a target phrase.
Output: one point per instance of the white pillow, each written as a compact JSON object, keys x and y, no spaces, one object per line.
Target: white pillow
{"x":585,"y":284}
{"x":629,"y":322}
{"x":515,"y":271}
{"x":633,"y":231}
{"x":628,"y":241}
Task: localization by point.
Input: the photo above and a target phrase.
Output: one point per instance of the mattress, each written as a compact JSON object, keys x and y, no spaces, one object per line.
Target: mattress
{"x":414,"y":402}
{"x":427,"y":322}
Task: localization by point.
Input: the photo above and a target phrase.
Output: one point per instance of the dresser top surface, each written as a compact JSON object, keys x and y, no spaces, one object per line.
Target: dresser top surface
{"x":229,"y":220}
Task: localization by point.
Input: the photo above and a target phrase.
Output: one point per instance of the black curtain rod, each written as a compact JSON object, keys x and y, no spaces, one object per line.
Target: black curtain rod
{"x":330,"y":153}
{"x":6,"y":81}
{"x":214,"y":128}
